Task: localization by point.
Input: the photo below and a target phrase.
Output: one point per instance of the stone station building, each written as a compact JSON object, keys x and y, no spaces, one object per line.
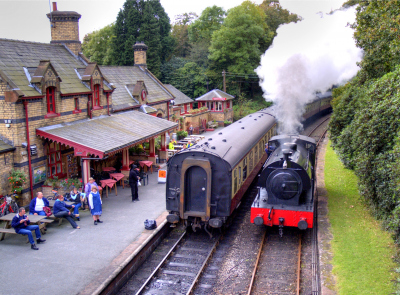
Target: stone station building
{"x":59,"y":110}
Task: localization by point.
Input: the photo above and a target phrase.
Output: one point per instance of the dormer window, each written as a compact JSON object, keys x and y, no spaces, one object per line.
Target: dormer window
{"x":96,"y":96}
{"x":51,"y":100}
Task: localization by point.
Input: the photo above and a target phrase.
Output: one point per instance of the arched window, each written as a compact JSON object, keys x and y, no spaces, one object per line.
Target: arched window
{"x":51,"y":100}
{"x":96,"y":96}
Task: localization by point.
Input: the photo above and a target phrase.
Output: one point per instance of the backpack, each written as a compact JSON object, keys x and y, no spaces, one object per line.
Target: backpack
{"x":150,"y":224}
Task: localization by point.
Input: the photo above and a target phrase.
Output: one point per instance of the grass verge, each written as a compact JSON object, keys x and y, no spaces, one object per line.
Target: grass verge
{"x":362,"y":252}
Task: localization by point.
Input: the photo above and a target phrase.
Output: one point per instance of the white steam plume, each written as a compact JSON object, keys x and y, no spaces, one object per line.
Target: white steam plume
{"x":306,"y":57}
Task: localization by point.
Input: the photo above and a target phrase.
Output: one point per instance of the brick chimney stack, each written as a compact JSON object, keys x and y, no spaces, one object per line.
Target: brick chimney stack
{"x":140,"y":53}
{"x":65,"y":28}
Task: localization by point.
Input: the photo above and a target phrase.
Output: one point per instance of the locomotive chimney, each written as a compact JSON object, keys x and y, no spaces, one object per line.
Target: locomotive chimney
{"x":286,"y":160}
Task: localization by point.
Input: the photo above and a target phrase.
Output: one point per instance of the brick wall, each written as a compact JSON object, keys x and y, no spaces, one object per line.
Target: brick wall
{"x":6,"y":164}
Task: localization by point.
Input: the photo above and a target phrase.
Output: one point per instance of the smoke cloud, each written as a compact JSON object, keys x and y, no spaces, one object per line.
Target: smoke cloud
{"x":307,"y":57}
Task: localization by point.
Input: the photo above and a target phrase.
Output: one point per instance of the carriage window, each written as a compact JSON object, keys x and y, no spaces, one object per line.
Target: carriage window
{"x":240,"y":174}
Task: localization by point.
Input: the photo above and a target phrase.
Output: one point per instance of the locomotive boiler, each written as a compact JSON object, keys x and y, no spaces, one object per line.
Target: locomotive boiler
{"x":286,"y":184}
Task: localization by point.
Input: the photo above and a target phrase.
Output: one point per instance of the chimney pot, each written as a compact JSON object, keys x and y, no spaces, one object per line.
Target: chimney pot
{"x":54,"y":6}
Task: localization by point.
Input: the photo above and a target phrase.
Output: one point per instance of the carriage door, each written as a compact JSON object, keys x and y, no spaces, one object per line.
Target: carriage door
{"x":196,"y":188}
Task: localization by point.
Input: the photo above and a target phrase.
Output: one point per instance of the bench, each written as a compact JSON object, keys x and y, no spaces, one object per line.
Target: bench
{"x":5,"y":231}
{"x":52,"y":218}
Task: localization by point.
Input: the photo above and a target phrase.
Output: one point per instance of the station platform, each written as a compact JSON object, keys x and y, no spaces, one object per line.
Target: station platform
{"x":77,"y":261}
{"x":81,"y":261}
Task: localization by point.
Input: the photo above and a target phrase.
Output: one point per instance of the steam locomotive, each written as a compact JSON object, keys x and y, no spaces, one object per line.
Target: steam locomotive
{"x":286,"y":184}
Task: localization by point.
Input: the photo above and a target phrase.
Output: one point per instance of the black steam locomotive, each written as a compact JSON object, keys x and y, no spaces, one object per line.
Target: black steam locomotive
{"x":286,"y":184}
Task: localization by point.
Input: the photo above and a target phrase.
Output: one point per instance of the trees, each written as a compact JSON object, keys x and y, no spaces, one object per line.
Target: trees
{"x":377,"y":32}
{"x":276,"y":15}
{"x":244,"y":35}
{"x":181,"y":35}
{"x":210,"y":20}
{"x":97,"y":45}
{"x":141,"y":20}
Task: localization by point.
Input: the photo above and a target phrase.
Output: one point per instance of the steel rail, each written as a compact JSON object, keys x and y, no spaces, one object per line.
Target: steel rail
{"x":316,"y":127}
{"x":299,"y":266}
{"x":196,"y":279}
{"x":256,"y":263}
{"x":161,"y":264}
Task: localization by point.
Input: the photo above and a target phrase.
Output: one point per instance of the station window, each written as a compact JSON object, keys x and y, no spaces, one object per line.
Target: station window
{"x":228,"y":104}
{"x":96,"y":96}
{"x":51,"y":100}
{"x":54,"y":161}
{"x":219,"y":106}
{"x":235,"y":181}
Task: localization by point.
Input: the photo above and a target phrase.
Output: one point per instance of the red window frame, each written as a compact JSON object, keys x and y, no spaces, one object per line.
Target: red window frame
{"x":76,"y":106}
{"x":228,"y":104}
{"x":54,"y":160}
{"x":51,"y":100}
{"x":96,"y":96}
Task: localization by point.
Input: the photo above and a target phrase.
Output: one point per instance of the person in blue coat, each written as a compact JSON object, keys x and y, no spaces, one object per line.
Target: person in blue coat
{"x":21,"y":225}
{"x":95,"y":205}
{"x":61,"y":210}
{"x":37,"y":204}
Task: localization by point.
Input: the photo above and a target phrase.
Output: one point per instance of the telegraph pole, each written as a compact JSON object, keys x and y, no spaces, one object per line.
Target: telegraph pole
{"x":223,"y":75}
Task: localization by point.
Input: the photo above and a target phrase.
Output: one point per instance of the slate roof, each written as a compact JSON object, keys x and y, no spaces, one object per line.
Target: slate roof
{"x":107,"y":134}
{"x":124,"y":77}
{"x":180,"y":97}
{"x":5,"y":147}
{"x":215,"y":93}
{"x":15,"y":55}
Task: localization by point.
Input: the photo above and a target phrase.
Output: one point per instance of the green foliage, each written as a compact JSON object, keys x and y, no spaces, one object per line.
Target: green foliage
{"x":68,"y":183}
{"x":180,"y":34}
{"x":209,"y":21}
{"x":243,"y":107}
{"x":243,"y":37}
{"x":17,"y":179}
{"x":276,"y":15}
{"x":378,"y":34}
{"x":97,"y":46}
{"x":142,"y":21}
{"x":365,"y":131}
{"x":181,"y":134}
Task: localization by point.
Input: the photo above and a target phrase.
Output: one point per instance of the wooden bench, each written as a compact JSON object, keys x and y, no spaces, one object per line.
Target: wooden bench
{"x":52,"y":218}
{"x":4,"y":231}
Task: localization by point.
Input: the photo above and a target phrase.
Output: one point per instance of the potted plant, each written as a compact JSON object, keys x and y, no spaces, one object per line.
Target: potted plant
{"x":17,"y":179}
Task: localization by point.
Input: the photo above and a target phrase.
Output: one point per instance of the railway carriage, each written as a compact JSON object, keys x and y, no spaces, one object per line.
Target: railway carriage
{"x":207,"y":181}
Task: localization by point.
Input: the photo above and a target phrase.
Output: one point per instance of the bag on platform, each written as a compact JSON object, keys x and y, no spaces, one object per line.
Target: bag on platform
{"x":150,"y":224}
{"x":47,"y":210}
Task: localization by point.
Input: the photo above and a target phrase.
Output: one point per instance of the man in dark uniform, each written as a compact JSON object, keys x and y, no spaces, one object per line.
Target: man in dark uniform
{"x":133,"y":182}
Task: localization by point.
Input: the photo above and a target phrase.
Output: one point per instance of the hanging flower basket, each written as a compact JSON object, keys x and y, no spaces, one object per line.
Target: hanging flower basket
{"x":17,"y":179}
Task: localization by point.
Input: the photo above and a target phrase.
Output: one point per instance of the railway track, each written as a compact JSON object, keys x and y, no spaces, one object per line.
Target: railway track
{"x":273,"y":271}
{"x":277,"y":269}
{"x":179,"y":271}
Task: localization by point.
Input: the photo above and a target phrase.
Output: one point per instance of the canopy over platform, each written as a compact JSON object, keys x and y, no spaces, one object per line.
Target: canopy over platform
{"x":106,"y":135}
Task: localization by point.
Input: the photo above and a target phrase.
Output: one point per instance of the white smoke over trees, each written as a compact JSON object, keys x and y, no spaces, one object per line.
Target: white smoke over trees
{"x":308,"y":57}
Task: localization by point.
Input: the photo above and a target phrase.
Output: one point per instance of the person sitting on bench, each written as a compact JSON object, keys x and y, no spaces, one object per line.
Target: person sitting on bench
{"x":21,"y":222}
{"x":60,"y":210}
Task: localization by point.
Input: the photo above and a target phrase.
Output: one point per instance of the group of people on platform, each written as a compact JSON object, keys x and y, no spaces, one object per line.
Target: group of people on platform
{"x":37,"y":206}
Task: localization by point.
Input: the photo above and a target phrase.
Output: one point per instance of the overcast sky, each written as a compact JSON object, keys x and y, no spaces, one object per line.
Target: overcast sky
{"x":27,"y":20}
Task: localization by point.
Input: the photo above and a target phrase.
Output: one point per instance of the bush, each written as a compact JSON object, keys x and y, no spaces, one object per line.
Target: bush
{"x":181,"y":134}
{"x":365,"y":131}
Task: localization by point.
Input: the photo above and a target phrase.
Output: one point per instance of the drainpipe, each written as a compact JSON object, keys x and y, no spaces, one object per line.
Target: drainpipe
{"x":168,"y":110}
{"x":108,"y":104}
{"x":29,"y":147}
